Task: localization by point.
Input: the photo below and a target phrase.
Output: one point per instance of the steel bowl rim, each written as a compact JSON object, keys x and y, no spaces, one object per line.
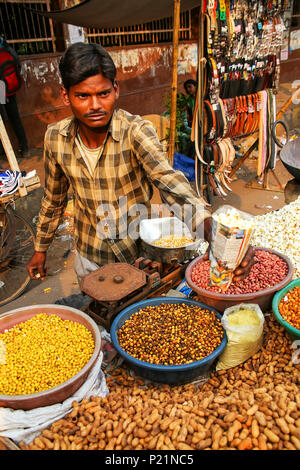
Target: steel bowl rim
{"x":275,"y":303}
{"x":57,"y":388}
{"x":170,"y":368}
{"x":218,"y":296}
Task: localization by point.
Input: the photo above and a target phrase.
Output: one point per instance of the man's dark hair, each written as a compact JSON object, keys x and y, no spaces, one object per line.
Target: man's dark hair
{"x":190,"y":81}
{"x":81,"y":61}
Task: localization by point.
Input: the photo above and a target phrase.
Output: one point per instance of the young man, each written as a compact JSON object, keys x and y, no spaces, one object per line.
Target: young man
{"x":110,"y":159}
{"x":190,"y":87}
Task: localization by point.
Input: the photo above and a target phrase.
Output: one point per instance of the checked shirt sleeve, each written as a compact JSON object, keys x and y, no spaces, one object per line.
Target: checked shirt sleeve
{"x":54,"y":200}
{"x":175,"y":190}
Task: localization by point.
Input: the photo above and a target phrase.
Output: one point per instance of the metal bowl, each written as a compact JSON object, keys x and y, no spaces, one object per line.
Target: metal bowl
{"x":154,"y":229}
{"x":63,"y":391}
{"x":289,"y":156}
{"x":158,"y":373}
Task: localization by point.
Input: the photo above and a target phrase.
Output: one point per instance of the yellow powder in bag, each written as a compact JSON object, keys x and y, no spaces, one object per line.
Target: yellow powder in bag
{"x":243,"y":317}
{"x":244,"y":329}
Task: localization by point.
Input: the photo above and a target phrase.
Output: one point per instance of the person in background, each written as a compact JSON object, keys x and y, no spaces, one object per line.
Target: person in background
{"x":10,"y":68}
{"x":190,"y":87}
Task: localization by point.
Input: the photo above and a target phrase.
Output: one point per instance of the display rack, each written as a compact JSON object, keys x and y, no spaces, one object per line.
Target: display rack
{"x":206,"y":43}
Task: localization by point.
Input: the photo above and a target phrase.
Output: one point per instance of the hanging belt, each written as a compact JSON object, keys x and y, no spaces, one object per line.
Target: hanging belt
{"x":230,"y":110}
{"x":244,"y":108}
{"x":262,"y":143}
{"x":238,"y":116}
{"x":211,"y":120}
{"x":250,"y":115}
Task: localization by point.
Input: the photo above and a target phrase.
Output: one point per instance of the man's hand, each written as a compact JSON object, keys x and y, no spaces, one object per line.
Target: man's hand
{"x":36,"y":266}
{"x":243,"y":269}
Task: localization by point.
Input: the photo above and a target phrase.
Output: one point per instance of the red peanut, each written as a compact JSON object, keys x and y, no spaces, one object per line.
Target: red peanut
{"x":267,"y":271}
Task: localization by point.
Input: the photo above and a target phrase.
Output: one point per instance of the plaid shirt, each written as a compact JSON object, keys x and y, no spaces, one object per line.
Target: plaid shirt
{"x":106,"y":201}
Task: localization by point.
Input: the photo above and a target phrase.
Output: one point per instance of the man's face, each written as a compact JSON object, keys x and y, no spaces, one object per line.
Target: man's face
{"x":92,"y":101}
{"x":191,"y":89}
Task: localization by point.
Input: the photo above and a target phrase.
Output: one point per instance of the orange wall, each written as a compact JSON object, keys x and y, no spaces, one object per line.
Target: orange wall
{"x":144,"y":74}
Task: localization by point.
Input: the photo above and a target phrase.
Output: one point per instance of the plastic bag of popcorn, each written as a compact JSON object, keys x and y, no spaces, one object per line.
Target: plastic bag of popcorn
{"x":232,"y":231}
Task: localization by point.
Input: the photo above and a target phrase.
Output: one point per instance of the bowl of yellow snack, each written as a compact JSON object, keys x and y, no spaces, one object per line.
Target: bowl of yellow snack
{"x":46,"y":354}
{"x":168,"y":240}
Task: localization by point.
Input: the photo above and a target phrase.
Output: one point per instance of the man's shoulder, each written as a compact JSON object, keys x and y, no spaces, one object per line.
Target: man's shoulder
{"x":127,"y":118}
{"x":133,"y":121}
{"x":61,"y":127}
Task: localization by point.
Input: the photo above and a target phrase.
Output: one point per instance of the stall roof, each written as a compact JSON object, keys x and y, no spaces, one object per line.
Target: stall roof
{"x":108,"y":14}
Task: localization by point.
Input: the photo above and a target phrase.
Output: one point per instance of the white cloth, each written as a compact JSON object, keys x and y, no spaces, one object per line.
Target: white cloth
{"x":25,"y":425}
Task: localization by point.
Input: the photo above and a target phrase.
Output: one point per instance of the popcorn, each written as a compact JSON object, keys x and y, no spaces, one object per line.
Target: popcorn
{"x":280,"y":231}
{"x":232,"y":218}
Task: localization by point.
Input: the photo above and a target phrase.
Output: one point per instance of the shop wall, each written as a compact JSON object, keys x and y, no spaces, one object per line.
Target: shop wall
{"x":144,"y":74}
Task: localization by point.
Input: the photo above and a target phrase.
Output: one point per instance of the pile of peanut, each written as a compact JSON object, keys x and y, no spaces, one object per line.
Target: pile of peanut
{"x":252,"y":406}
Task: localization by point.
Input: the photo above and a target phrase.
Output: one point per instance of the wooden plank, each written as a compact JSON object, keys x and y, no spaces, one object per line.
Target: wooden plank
{"x":33,"y":181}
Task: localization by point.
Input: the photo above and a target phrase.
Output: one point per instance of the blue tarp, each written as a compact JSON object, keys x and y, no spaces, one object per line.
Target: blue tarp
{"x":185,"y":164}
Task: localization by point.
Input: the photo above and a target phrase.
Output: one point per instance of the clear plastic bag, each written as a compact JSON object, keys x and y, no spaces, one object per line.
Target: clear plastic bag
{"x":244,"y":338}
{"x":232,"y":231}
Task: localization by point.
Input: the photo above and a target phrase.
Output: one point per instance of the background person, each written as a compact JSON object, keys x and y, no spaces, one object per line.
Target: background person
{"x":190,"y":87}
{"x":10,"y":107}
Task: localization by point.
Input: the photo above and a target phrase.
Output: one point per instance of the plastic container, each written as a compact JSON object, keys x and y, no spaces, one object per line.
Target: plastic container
{"x":222,"y":301}
{"x":63,"y":391}
{"x":293,"y":332}
{"x":158,"y":373}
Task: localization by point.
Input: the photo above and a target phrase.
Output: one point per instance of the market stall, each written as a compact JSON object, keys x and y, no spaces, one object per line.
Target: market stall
{"x":238,"y":79}
{"x":197,"y":360}
{"x":201,"y":374}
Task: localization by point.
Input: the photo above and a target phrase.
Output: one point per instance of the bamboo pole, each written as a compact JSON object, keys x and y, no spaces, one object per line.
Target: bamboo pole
{"x":200,"y":90}
{"x":176,"y":25}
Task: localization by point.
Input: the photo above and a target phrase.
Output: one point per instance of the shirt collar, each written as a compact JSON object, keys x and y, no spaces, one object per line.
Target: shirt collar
{"x":70,"y":125}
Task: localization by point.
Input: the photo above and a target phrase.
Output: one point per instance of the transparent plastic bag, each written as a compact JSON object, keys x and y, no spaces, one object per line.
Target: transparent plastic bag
{"x":244,"y":338}
{"x":232,"y":231}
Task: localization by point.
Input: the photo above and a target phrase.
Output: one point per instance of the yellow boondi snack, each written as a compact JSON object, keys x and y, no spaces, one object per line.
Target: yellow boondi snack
{"x":42,"y":353}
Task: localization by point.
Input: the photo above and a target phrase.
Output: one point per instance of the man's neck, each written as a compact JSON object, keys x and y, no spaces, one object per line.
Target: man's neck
{"x":92,"y":138}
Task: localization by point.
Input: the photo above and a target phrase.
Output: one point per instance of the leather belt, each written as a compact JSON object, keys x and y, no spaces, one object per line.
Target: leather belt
{"x":211,"y":120}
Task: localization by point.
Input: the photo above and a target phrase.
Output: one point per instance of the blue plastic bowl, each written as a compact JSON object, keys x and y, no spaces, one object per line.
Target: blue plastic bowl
{"x":292,"y":331}
{"x":157,"y":373}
